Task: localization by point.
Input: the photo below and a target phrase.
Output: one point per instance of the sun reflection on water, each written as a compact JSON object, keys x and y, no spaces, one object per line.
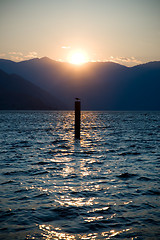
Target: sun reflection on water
{"x":77,"y":202}
{"x":81,"y":182}
{"x":49,"y":232}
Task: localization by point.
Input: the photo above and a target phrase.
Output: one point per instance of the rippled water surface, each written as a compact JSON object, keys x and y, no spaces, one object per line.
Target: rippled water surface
{"x":105,"y":186}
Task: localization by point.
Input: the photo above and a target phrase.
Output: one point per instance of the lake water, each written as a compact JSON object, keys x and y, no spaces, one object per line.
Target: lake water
{"x":105,"y":186}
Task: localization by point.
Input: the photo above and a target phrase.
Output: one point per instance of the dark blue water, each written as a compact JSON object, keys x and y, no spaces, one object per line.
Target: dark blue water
{"x":105,"y":186}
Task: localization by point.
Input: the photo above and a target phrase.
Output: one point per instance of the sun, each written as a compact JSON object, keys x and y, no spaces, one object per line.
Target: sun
{"x":78,"y":57}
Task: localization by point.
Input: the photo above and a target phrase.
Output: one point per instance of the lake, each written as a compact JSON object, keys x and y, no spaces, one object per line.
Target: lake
{"x":104,"y":186}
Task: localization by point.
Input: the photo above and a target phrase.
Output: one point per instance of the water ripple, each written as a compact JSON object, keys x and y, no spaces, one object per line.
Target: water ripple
{"x":105,"y":186}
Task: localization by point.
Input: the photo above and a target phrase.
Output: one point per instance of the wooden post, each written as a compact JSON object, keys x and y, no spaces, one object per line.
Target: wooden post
{"x":77,"y":118}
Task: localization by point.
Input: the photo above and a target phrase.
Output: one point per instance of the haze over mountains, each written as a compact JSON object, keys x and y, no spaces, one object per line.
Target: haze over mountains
{"x":101,"y":86}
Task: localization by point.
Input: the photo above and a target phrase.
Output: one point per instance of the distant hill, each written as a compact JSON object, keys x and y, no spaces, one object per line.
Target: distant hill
{"x":101,"y":86}
{"x":17,"y":93}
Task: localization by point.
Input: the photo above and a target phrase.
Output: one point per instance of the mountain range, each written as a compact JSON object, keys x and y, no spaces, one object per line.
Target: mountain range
{"x":17,"y":93}
{"x":47,"y":84}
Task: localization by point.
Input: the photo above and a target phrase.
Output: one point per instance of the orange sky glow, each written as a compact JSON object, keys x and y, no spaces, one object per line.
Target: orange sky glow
{"x":126,"y":32}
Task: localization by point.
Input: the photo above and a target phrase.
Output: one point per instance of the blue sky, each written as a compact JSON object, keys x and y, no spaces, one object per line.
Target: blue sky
{"x":123,"y":31}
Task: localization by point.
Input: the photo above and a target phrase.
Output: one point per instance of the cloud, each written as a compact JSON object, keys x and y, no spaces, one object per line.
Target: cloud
{"x":15,"y":53}
{"x":129,"y":60}
{"x":65,"y":47}
{"x":16,"y":58}
{"x":2,"y":54}
{"x":31,"y":55}
{"x":19,"y":56}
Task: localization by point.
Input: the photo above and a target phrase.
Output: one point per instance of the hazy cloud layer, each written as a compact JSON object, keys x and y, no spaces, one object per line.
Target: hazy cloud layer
{"x":19,"y":56}
{"x":2,"y":54}
{"x":31,"y":55}
{"x":16,"y":53}
{"x":129,"y":60}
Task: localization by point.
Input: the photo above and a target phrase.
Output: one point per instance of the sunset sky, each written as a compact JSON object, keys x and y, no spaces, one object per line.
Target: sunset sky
{"x":124,"y":31}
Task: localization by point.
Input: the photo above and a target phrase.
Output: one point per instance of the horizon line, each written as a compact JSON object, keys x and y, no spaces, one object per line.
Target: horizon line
{"x":91,"y":61}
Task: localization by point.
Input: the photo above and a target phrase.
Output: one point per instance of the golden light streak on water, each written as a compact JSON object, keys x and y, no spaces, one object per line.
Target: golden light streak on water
{"x":49,"y":232}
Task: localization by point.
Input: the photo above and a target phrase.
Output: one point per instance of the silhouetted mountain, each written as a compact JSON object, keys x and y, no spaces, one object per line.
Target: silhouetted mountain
{"x":101,"y":86}
{"x":19,"y":94}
